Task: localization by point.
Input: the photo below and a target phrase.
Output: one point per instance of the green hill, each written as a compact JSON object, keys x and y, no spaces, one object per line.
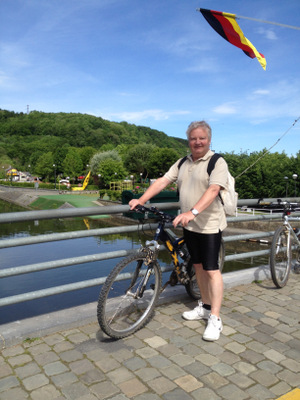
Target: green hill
{"x":24,"y":137}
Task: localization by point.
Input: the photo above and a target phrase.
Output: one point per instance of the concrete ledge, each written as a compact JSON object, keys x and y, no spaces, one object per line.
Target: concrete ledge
{"x":17,"y":331}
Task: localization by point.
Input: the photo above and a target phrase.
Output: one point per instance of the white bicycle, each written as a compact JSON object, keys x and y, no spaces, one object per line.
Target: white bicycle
{"x":285,"y":240}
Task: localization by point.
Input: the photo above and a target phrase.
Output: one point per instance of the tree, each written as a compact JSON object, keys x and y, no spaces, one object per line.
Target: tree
{"x":59,"y":156}
{"x":44,"y":167}
{"x":123,"y":150}
{"x":111,"y":171}
{"x":98,"y":158}
{"x":138,"y":157}
{"x":86,"y":153}
{"x":72,"y":164}
{"x":161,"y":160}
{"x":295,"y":168}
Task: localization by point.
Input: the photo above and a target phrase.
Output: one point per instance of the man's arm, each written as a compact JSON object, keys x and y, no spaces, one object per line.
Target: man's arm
{"x":152,"y":190}
{"x":208,"y":197}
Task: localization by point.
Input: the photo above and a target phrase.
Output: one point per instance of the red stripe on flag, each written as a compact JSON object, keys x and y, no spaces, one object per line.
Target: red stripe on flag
{"x":232,"y":36}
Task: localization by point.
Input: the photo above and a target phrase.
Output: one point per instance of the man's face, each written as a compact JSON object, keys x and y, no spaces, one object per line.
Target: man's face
{"x":199,"y":143}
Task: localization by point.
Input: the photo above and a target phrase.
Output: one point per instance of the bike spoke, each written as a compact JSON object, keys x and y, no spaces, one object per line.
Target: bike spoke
{"x":123,"y":308}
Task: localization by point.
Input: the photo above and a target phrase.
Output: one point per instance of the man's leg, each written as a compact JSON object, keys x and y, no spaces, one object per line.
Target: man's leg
{"x":211,"y":287}
{"x":211,"y":283}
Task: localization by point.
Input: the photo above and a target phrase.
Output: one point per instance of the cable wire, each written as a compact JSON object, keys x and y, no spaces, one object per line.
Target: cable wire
{"x":268,"y":150}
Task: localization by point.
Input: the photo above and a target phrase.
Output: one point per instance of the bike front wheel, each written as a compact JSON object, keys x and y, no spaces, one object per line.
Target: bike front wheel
{"x":192,"y":287}
{"x":128,"y":297}
{"x":280,"y":257}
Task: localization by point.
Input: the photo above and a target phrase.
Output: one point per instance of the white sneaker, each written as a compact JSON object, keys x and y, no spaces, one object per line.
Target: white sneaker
{"x":197,"y":313}
{"x":213,"y":329}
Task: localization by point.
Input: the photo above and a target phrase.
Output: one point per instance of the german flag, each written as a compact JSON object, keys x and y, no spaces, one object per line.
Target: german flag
{"x":225,"y":25}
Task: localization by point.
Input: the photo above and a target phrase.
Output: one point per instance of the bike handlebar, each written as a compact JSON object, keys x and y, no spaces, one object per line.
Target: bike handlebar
{"x":162,"y":215}
{"x":288,"y":208}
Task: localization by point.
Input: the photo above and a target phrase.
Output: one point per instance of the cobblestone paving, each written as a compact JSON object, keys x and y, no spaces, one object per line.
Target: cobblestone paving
{"x":257,"y":356}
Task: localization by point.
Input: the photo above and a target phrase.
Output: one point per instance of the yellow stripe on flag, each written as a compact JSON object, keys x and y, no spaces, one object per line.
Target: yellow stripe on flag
{"x":244,"y":40}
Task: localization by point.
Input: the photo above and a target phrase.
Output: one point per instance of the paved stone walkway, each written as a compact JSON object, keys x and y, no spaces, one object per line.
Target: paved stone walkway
{"x":257,"y":356}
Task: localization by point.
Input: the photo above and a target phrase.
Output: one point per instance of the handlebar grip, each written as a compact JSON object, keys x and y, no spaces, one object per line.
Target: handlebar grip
{"x":140,"y":208}
{"x":155,"y":211}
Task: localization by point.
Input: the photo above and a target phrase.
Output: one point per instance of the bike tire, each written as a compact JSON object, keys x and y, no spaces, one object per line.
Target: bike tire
{"x":280,"y":257}
{"x":119,"y":313}
{"x":192,"y":287}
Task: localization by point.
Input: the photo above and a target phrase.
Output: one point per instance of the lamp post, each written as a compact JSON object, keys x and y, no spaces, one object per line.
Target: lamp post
{"x":54,"y":166}
{"x":132,"y":183}
{"x":295,"y":176}
{"x":286,"y":186}
{"x":10,"y":175}
{"x":87,"y":171}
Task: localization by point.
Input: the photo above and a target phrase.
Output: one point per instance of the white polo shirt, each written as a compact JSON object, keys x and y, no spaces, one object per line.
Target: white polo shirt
{"x":193,"y":180}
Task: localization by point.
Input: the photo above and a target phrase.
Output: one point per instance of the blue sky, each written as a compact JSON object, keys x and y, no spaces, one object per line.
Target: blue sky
{"x":156,"y":63}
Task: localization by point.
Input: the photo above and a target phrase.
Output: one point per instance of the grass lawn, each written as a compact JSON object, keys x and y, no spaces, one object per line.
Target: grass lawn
{"x":54,"y":201}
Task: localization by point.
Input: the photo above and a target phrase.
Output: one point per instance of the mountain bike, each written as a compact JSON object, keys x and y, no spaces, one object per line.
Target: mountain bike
{"x":285,"y":239}
{"x":130,"y":293}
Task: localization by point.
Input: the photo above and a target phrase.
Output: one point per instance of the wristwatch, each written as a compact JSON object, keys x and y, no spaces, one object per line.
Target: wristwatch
{"x":194,"y":211}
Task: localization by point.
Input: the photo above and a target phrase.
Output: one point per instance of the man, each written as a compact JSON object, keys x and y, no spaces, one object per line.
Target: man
{"x":203,"y":219}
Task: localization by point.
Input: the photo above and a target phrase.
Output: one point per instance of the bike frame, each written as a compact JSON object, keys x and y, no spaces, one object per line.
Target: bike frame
{"x":173,"y":244}
{"x":290,"y":229}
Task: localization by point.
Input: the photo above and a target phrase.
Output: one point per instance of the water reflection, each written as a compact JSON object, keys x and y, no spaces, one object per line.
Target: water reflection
{"x":43,"y":252}
{"x":244,"y":247}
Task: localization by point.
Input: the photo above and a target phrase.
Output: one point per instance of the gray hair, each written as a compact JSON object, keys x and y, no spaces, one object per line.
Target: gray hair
{"x":198,"y":124}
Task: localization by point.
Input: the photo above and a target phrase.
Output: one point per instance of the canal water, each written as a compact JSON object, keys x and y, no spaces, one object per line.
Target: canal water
{"x":25,"y":255}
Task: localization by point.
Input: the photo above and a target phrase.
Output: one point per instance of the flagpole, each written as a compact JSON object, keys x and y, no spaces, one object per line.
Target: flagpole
{"x":269,"y":22}
{"x":257,"y":20}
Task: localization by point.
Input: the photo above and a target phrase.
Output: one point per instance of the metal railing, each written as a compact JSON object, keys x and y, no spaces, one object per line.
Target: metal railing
{"x":105,"y":210}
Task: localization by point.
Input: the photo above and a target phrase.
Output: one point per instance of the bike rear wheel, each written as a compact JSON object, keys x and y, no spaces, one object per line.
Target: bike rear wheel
{"x":280,"y":257}
{"x":192,"y":287}
{"x":121,"y":310}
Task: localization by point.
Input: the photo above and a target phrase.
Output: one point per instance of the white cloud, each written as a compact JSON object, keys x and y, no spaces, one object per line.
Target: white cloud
{"x":225,"y":108}
{"x":5,"y":80}
{"x":205,"y":64}
{"x":268,"y":33}
{"x":14,"y":56}
{"x":138,"y":116}
{"x":261,"y":91}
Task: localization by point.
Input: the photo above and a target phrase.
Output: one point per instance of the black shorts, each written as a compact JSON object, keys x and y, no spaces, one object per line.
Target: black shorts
{"x":204,"y":248}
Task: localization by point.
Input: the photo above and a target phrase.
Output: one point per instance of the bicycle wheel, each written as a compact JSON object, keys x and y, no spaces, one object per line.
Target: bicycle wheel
{"x":280,"y":257}
{"x":192,"y":287}
{"x":123,"y":306}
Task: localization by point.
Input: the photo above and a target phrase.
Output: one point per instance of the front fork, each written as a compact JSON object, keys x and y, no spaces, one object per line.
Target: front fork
{"x":288,"y":241}
{"x":150,"y":253}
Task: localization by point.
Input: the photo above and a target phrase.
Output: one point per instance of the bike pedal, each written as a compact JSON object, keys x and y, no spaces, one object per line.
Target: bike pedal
{"x":152,"y":286}
{"x":297,"y":268}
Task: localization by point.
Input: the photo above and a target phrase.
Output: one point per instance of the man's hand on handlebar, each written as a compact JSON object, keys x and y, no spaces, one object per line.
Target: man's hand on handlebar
{"x":183,"y":219}
{"x":133,"y":203}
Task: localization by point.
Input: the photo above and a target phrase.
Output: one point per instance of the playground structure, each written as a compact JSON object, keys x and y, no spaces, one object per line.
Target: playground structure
{"x":120,"y":185}
{"x":84,"y":185}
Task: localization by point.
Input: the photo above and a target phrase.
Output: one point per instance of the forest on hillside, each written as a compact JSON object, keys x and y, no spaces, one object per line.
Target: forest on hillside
{"x":73,"y":143}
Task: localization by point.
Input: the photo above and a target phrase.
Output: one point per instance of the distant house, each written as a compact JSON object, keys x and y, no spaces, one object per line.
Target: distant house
{"x":18,"y":176}
{"x":12,"y":174}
